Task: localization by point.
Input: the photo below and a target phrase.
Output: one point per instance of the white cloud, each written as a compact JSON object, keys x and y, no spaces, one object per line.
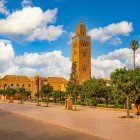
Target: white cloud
{"x":45,"y":63}
{"x":71,"y":34}
{"x":26,"y":3}
{"x":55,"y":64}
{"x":105,"y":64}
{"x":102,"y":68}
{"x":48,"y":63}
{"x":31,"y":23}
{"x":50,"y":33}
{"x":6,"y":56}
{"x":104,"y":34}
{"x":116,"y":41}
{"x":16,"y":70}
{"x":3,"y":8}
{"x":124,"y":53}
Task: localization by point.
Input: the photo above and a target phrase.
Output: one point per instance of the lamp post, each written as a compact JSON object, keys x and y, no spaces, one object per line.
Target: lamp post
{"x":4,"y":92}
{"x":37,"y":91}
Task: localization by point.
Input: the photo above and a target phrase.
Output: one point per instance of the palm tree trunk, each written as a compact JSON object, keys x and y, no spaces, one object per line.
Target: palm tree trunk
{"x":134,"y":59}
{"x":127,"y":101}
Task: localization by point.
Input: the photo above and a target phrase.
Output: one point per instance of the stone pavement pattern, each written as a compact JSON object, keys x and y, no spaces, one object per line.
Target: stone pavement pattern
{"x":98,"y":122}
{"x":16,"y":127}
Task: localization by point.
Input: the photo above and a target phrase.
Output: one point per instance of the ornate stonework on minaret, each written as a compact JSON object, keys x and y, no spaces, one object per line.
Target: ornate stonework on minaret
{"x":81,"y":52}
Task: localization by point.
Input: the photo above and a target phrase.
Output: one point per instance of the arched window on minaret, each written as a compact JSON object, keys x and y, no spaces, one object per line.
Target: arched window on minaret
{"x":84,"y":68}
{"x":84,"y":53}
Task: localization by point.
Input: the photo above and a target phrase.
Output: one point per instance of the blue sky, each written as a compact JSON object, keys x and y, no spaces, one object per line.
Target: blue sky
{"x":112,"y":25}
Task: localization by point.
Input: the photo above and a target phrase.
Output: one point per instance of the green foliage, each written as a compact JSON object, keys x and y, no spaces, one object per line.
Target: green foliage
{"x":21,"y":91}
{"x":134,"y":45}
{"x":122,"y":79}
{"x":127,"y":81}
{"x":2,"y":92}
{"x":91,"y":88}
{"x":46,"y":90}
{"x":10,"y":91}
{"x":73,"y":77}
{"x":58,"y":96}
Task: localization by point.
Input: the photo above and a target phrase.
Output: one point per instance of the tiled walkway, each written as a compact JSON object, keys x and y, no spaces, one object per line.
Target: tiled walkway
{"x":99,"y":122}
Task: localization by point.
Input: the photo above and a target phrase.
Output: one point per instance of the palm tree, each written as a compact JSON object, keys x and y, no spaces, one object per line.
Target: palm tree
{"x":134,"y":47}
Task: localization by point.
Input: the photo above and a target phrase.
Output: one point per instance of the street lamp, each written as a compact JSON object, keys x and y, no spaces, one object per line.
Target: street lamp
{"x":4,"y":92}
{"x":38,"y":91}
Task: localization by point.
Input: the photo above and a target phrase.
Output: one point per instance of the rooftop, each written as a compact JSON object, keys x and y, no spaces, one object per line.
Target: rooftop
{"x":16,"y":78}
{"x":56,"y":79}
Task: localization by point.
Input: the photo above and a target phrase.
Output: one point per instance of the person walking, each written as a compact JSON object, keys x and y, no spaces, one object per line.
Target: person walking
{"x":137,"y":104}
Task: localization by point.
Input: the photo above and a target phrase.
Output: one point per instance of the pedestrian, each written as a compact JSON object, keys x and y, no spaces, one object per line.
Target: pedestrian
{"x":137,"y":104}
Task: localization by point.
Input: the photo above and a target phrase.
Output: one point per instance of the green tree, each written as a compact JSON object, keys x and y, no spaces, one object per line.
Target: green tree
{"x":27,"y":94}
{"x":74,"y":77}
{"x":73,"y":84}
{"x":134,"y":47}
{"x":106,"y":93}
{"x":136,"y":82}
{"x":91,"y":90}
{"x":10,"y":92}
{"x":122,"y":79}
{"x":22,"y":92}
{"x":46,"y":91}
{"x":56,"y":94}
{"x":118,"y":97}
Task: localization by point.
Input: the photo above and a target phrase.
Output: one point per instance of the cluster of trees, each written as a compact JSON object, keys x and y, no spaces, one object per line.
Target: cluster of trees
{"x":123,"y":87}
{"x":48,"y":93}
{"x":10,"y":92}
{"x":121,"y":91}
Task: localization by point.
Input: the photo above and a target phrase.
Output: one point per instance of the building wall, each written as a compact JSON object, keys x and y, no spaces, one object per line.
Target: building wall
{"x":31,"y":84}
{"x":58,"y":83}
{"x":15,"y":82}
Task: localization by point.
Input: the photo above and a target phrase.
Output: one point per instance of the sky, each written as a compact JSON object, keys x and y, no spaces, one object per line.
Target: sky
{"x":35,"y":35}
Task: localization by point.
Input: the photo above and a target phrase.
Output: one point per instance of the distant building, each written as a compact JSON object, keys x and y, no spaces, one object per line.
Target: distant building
{"x":31,"y":83}
{"x":81,"y":52}
{"x":107,"y":81}
{"x":58,"y":83}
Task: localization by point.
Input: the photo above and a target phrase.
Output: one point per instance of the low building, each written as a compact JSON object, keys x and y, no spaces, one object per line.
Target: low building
{"x":58,"y":83}
{"x":31,"y":83}
{"x":16,"y":81}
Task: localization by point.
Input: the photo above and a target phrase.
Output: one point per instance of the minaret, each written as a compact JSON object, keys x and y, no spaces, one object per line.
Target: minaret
{"x":81,"y":52}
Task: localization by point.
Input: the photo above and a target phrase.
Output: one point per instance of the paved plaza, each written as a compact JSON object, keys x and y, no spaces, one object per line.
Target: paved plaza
{"x":16,"y":127}
{"x":104,"y":123}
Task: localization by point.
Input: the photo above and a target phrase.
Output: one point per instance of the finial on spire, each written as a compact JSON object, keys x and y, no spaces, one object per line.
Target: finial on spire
{"x":81,"y":21}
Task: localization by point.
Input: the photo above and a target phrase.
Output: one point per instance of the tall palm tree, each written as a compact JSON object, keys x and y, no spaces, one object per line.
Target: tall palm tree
{"x":134,"y":47}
